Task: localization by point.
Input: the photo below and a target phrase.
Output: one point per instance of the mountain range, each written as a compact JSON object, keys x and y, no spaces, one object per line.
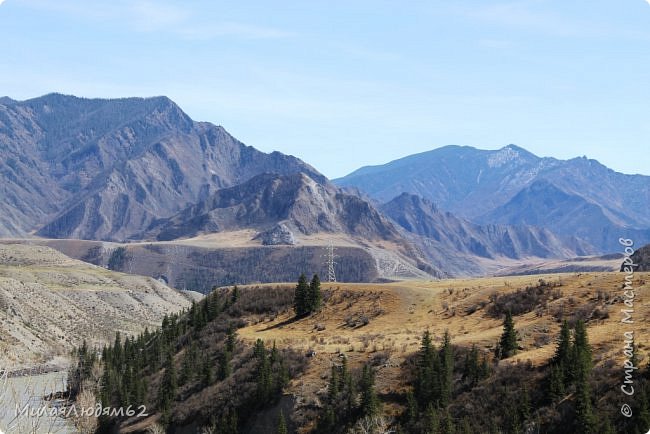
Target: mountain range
{"x":295,"y":201}
{"x":459,"y":246}
{"x":139,"y":169}
{"x":104,"y":169}
{"x":578,"y":197}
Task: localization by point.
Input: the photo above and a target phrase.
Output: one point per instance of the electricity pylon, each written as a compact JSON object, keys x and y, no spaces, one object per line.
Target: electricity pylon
{"x":329,"y":258}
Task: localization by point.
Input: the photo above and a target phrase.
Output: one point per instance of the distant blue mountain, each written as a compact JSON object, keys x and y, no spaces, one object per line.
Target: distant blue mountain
{"x":579,"y":197}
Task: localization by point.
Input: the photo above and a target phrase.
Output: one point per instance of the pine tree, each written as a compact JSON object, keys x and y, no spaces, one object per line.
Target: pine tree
{"x":431,"y":420}
{"x":411,"y":407}
{"x":263,"y":373}
{"x":207,"y":376}
{"x":117,"y":350}
{"x":508,"y":342}
{"x":300,"y":298}
{"x":563,"y":350}
{"x":167,"y":392}
{"x":556,"y":382}
{"x":606,"y":427}
{"x":228,"y":422}
{"x":314,"y":299}
{"x":424,"y":385}
{"x":187,"y":366}
{"x":333,"y":387}
{"x":581,"y":349}
{"x":447,"y":370}
{"x":351,"y":392}
{"x":585,"y":420}
{"x":369,"y":402}
{"x":447,"y":425}
{"x":231,"y":338}
{"x":559,"y":378}
{"x":224,"y":369}
{"x":282,"y":424}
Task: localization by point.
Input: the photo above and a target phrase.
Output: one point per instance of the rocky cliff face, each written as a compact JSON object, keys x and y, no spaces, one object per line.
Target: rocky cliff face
{"x":279,"y":234}
{"x":296,"y":201}
{"x":641,"y":258}
{"x":104,"y":169}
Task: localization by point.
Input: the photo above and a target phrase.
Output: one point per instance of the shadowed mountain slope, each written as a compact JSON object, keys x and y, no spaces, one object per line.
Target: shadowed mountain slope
{"x":104,"y":169}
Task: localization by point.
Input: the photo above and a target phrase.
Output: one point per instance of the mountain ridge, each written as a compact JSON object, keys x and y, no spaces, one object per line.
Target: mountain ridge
{"x":478,"y":185}
{"x":439,"y":233}
{"x":76,"y":166}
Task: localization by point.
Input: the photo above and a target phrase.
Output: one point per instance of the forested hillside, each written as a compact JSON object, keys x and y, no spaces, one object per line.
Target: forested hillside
{"x":322,"y":358}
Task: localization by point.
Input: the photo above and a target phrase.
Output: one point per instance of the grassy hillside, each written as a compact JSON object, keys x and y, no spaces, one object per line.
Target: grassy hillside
{"x":214,"y":352}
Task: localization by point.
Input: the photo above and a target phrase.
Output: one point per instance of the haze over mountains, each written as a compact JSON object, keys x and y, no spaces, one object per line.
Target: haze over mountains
{"x":141,"y":170}
{"x":578,"y":197}
{"x":454,"y":244}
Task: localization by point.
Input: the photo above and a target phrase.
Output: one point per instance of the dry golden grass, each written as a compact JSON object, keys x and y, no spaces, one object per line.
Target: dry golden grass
{"x":406,"y":309}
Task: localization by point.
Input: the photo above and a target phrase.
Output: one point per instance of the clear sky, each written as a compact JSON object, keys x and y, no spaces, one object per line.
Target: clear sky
{"x":344,"y":84}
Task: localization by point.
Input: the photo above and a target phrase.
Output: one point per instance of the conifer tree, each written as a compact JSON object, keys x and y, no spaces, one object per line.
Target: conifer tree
{"x":472,"y":366}
{"x":369,"y":402}
{"x":117,"y":350}
{"x":231,"y":338}
{"x":508,"y":342}
{"x":563,"y":350}
{"x":585,"y":420}
{"x":282,"y":424}
{"x":447,"y":425}
{"x":224,"y":369}
{"x":207,"y":376}
{"x":524,"y":404}
{"x":411,"y":407}
{"x":432,"y":420}
{"x":274,"y":356}
{"x":559,"y":378}
{"x":351,"y":392}
{"x":167,"y":392}
{"x":556,"y":382}
{"x":187,"y":366}
{"x":333,"y":387}
{"x":447,"y":370}
{"x":301,"y":296}
{"x":315,"y":297}
{"x":581,"y":351}
{"x":263,"y":373}
{"x":425,"y":375}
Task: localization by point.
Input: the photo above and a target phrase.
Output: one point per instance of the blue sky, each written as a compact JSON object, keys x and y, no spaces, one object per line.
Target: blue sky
{"x":344,"y":84}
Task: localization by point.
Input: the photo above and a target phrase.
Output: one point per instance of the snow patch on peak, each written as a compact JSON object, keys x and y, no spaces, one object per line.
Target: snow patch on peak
{"x":503,"y":156}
